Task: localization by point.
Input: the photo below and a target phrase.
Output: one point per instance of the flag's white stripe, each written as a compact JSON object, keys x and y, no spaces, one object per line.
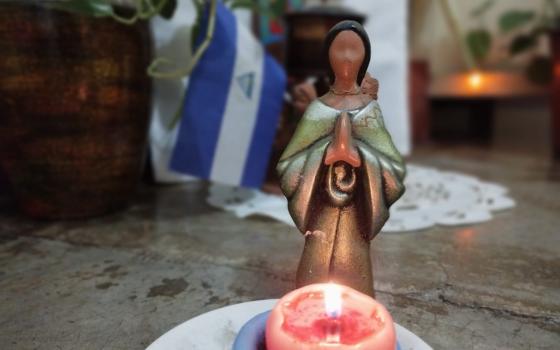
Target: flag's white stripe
{"x":240,"y":113}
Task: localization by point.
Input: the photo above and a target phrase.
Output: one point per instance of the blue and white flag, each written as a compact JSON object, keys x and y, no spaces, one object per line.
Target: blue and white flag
{"x":231,"y":109}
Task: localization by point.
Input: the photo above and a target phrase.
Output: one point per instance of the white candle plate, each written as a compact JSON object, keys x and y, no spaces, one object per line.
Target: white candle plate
{"x":216,"y":330}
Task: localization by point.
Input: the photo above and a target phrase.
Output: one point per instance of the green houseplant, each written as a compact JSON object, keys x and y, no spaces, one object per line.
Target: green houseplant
{"x":525,"y":27}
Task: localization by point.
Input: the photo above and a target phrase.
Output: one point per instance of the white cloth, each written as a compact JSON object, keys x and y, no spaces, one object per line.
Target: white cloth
{"x":172,"y":40}
{"x":432,"y":197}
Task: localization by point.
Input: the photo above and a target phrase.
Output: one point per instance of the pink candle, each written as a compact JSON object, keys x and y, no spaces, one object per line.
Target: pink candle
{"x":329,"y":316}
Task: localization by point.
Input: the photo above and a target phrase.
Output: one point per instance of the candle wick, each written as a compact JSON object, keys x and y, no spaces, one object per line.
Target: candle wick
{"x":333,"y":331}
{"x":333,"y":308}
{"x":335,"y":313}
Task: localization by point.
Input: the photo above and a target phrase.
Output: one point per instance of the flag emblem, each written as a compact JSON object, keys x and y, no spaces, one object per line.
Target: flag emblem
{"x":245,"y":81}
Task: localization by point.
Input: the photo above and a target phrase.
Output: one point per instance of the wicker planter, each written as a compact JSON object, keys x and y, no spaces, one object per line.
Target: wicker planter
{"x":74,"y":109}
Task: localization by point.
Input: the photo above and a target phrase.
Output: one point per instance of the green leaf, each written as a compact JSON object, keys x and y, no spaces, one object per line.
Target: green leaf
{"x":194,"y":35}
{"x":200,"y":7}
{"x":246,"y":4}
{"x":95,"y":8}
{"x":149,"y":8}
{"x":483,"y":8}
{"x":478,"y":42}
{"x":168,"y":9}
{"x":264,"y":8}
{"x":277,"y":8}
{"x":514,"y":19}
{"x":539,"y":70}
{"x":522,"y":43}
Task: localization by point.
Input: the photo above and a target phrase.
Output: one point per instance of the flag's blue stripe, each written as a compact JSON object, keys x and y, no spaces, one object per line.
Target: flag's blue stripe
{"x":270,"y":107}
{"x":206,"y":98}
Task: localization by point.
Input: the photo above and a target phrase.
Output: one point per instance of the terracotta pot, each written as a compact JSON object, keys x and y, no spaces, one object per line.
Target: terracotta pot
{"x":74,"y":109}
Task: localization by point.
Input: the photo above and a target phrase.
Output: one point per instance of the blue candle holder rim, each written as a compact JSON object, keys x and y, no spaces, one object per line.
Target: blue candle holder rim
{"x":252,"y":335}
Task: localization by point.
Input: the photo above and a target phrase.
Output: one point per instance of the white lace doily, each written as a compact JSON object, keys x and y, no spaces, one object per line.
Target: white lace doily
{"x":432,"y":197}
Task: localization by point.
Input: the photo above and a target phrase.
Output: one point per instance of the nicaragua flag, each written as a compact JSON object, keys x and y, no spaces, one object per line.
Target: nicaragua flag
{"x":232,"y":105}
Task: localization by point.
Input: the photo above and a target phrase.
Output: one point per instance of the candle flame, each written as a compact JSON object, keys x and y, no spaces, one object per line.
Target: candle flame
{"x":333,"y":300}
{"x":475,"y":80}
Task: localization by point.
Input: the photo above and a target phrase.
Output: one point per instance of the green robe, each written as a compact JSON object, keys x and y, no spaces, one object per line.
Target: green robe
{"x":338,"y":234}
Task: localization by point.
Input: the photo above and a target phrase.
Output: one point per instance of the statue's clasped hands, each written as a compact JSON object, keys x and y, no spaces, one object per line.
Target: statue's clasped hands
{"x":341,"y":148}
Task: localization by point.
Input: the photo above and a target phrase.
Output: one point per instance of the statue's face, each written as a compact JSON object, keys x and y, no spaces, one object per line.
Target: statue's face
{"x":346,"y":55}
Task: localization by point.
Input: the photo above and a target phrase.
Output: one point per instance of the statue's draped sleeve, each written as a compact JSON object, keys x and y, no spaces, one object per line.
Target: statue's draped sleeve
{"x":382,"y":166}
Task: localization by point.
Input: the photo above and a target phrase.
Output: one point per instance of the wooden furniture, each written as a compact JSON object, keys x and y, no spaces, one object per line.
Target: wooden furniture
{"x":419,"y":80}
{"x":555,"y":98}
{"x":476,"y":94}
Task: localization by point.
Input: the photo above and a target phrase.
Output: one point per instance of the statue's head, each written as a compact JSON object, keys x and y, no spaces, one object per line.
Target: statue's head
{"x":347,"y":51}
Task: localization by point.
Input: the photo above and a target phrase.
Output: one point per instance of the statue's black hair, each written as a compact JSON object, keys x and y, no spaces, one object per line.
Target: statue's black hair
{"x":331,"y":35}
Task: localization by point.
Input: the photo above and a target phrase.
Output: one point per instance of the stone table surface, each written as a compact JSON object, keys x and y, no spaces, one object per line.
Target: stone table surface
{"x":121,"y":281}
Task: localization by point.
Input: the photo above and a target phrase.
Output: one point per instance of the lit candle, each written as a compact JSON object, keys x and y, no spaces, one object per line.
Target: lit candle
{"x":475,"y":80}
{"x":329,"y":316}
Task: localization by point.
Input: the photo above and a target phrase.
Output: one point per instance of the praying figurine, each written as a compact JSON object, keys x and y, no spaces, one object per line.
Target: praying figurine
{"x":341,"y":172}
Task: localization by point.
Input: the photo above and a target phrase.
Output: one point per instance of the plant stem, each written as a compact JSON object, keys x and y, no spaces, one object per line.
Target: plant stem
{"x":456,"y":30}
{"x":153,"y":68}
{"x":140,"y":13}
